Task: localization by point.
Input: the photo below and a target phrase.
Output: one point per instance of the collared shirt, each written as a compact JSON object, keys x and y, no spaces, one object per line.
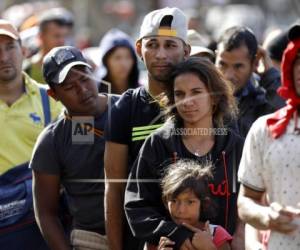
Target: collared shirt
{"x":21,"y":123}
{"x":273,"y":166}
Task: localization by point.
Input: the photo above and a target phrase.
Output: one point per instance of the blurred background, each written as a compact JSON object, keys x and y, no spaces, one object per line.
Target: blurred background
{"x":91,"y":20}
{"x":94,"y":17}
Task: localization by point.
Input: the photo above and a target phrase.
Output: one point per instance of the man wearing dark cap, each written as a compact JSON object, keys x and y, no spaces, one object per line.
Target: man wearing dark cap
{"x":55,"y":28}
{"x":270,"y":165}
{"x":161,"y":44}
{"x":274,"y":44}
{"x":70,"y":152}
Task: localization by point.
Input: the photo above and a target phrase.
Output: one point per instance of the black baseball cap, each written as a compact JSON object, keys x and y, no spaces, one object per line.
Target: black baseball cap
{"x":58,"y":62}
{"x":277,"y":45}
{"x":294,"y":32}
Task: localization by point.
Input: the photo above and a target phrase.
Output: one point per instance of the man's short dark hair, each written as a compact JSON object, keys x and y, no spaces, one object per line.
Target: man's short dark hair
{"x":237,"y":36}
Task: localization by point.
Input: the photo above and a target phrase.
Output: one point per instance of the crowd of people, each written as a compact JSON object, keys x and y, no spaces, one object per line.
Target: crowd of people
{"x":203,"y":155}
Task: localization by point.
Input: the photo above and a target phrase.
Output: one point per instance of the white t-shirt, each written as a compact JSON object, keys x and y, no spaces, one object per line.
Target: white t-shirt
{"x":273,"y":166}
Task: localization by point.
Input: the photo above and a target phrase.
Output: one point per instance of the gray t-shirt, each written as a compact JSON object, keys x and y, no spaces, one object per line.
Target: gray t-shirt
{"x":56,"y":154}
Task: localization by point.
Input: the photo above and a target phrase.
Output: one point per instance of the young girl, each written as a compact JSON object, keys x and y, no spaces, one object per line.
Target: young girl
{"x":185,"y":193}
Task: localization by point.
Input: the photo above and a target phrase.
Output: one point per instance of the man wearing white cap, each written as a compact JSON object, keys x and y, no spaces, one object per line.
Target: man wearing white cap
{"x":161,"y":44}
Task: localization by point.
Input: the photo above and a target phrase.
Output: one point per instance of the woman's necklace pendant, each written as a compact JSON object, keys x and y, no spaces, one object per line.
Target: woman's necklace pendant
{"x":197,"y":154}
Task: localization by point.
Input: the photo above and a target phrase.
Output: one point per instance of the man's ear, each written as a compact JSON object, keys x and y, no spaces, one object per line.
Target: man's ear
{"x":51,"y":93}
{"x":138,"y":47}
{"x":255,"y":63}
{"x":187,"y":51}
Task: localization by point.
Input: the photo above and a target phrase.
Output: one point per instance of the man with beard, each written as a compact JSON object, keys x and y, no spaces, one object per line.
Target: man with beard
{"x":161,"y":44}
{"x":24,"y":112}
{"x":21,"y":106}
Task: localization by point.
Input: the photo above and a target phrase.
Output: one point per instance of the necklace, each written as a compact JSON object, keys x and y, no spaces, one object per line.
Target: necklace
{"x":205,"y":157}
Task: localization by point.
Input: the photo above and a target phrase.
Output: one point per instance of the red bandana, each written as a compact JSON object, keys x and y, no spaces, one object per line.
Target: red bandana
{"x":279,"y":120}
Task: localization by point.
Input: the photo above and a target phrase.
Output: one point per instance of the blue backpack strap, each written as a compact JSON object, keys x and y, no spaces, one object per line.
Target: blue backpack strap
{"x":15,"y":197}
{"x":46,"y":106}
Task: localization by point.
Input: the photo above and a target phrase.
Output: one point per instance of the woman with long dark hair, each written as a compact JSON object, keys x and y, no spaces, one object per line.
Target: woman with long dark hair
{"x":200,"y":103}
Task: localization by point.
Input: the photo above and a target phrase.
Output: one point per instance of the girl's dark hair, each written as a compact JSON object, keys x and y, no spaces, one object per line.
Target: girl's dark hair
{"x":133,"y":78}
{"x":189,"y":175}
{"x":221,"y":91}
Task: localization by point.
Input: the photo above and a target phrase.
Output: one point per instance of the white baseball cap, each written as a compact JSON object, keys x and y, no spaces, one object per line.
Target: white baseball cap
{"x":165,"y":22}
